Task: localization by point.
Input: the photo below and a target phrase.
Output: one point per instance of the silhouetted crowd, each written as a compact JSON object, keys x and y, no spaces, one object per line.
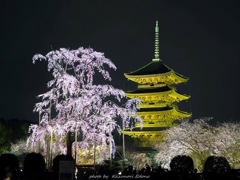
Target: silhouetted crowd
{"x":34,"y":167}
{"x":181,"y":168}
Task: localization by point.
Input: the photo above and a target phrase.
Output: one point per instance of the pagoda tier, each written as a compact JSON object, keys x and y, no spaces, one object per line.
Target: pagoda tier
{"x":161,"y":96}
{"x":160,"y":117}
{"x":156,"y":72}
{"x":141,"y":134}
{"x":146,"y":135}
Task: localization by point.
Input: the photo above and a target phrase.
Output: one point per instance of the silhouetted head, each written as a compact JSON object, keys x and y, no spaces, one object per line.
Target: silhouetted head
{"x":130,"y":168}
{"x":216,"y":164}
{"x":182,"y":164}
{"x":34,"y":162}
{"x":9,"y":166}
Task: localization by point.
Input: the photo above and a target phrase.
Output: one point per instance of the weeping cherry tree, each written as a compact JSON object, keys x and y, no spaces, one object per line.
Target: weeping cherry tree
{"x":75,"y":104}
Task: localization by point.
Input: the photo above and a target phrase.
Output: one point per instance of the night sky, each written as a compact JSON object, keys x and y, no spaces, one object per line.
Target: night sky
{"x":198,"y":40}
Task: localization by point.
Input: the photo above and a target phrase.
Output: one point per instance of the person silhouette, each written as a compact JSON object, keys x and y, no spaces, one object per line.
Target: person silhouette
{"x":9,"y":167}
{"x":216,"y":167}
{"x":34,"y":167}
{"x":181,"y":167}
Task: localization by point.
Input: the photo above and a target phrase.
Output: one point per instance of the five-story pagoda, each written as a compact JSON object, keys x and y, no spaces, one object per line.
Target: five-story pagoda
{"x":157,"y":91}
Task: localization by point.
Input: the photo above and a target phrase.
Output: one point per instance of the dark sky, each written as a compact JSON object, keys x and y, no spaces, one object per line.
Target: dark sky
{"x":198,"y":39}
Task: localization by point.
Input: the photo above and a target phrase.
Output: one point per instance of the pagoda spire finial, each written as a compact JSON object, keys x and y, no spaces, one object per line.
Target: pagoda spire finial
{"x":156,"y":48}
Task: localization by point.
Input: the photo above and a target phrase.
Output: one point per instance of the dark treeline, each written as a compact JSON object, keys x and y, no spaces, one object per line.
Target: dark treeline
{"x":12,"y":130}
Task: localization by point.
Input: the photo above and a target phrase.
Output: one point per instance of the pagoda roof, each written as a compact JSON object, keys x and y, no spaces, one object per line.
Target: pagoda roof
{"x":173,"y":109}
{"x":155,"y":109}
{"x":148,"y":129}
{"x":154,"y":67}
{"x":145,"y":133}
{"x":151,"y":90}
{"x":154,"y":91}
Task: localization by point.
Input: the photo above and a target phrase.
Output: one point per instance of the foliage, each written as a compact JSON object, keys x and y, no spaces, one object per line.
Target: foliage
{"x":11,"y":131}
{"x":138,"y":160}
{"x":4,"y":137}
{"x":74,"y":104}
{"x":200,"y":140}
{"x":18,"y":148}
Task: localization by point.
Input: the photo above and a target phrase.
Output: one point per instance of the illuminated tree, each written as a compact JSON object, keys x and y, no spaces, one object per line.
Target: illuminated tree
{"x":228,"y":144}
{"x":200,"y":140}
{"x":18,"y":148}
{"x":75,"y":104}
{"x":138,"y":160}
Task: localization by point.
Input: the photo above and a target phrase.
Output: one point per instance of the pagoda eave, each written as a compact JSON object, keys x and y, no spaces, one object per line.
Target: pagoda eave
{"x":148,"y":135}
{"x":157,"y":114}
{"x":170,"y":78}
{"x":159,"y":125}
{"x":142,"y":133}
{"x":151,"y":121}
{"x":170,"y":96}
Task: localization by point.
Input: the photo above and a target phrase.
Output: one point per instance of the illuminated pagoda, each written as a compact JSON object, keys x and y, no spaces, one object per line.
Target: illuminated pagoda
{"x":157,"y":91}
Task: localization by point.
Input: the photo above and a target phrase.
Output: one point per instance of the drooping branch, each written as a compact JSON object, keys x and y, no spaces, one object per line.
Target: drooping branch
{"x":79,"y":104}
